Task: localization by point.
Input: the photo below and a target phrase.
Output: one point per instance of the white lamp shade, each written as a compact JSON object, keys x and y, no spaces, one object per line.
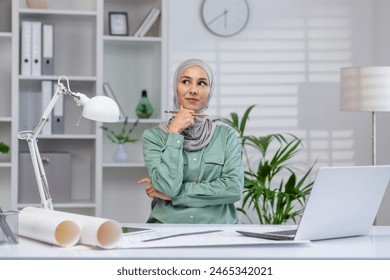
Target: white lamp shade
{"x":101,"y":108}
{"x":365,"y":89}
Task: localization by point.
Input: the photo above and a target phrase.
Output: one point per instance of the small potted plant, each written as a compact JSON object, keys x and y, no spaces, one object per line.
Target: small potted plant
{"x":121,"y":137}
{"x":4,"y":149}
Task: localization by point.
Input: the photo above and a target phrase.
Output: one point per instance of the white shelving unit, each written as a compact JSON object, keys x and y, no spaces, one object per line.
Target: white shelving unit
{"x":75,"y":56}
{"x":85,"y":53}
{"x":130,"y":65}
{"x":6,"y":50}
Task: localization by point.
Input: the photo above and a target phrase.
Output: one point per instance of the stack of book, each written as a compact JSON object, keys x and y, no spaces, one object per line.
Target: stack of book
{"x":147,"y":23}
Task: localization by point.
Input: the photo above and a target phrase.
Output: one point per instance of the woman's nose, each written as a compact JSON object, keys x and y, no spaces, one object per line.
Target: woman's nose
{"x":194,"y":90}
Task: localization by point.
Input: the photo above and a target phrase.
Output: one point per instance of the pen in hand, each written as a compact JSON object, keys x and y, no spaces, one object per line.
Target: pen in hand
{"x":194,"y":114}
{"x":181,"y":234}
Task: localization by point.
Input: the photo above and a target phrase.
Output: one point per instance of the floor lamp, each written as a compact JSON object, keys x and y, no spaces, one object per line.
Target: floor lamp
{"x":366,"y":89}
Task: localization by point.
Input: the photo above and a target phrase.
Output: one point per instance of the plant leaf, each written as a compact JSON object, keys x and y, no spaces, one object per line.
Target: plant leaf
{"x":273,"y":190}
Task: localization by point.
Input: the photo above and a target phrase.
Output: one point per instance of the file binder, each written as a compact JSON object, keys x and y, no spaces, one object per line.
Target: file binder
{"x":47,"y":49}
{"x":25,"y":48}
{"x":30,"y":108}
{"x":36,"y":48}
{"x":58,"y":122}
{"x":46,"y":98}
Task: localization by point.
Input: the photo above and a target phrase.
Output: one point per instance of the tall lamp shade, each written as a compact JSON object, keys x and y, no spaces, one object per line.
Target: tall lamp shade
{"x":366,"y":89}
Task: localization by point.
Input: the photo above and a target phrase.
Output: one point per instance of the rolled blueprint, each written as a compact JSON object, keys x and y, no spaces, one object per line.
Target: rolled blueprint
{"x":50,"y":229}
{"x":94,"y":231}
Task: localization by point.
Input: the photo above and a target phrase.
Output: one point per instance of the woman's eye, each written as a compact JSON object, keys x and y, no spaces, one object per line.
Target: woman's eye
{"x":186,"y":82}
{"x":203,"y":84}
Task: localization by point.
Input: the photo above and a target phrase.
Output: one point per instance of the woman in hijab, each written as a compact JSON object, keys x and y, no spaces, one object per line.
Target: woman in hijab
{"x":195,"y":168}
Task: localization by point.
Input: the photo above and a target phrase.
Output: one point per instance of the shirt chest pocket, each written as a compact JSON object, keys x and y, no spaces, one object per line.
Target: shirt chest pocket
{"x":213,"y":165}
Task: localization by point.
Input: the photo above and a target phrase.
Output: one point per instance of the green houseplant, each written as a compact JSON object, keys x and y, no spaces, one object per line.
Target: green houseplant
{"x":4,"y":149}
{"x":272,"y":187}
{"x":123,"y":135}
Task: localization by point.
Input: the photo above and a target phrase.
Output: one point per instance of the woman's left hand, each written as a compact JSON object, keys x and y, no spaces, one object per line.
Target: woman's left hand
{"x":151,"y":191}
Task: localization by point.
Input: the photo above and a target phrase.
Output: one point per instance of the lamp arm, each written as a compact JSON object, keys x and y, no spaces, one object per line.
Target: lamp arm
{"x":40,"y":175}
{"x":30,"y":137}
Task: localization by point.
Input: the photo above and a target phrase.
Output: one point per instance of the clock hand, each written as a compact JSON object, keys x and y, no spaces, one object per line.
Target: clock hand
{"x":225,"y":18}
{"x":219,"y":16}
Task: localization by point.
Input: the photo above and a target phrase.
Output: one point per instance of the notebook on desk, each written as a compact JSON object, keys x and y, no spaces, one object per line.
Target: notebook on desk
{"x":343,"y":202}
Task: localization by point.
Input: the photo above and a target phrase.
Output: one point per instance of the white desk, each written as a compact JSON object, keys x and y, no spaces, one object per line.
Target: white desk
{"x":376,"y":245}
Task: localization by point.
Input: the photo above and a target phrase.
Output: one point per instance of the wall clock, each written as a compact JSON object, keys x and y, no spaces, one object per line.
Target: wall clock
{"x":225,"y":17}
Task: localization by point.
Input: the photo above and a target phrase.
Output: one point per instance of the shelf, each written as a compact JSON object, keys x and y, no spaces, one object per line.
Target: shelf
{"x":152,"y":121}
{"x":57,"y":12}
{"x":75,"y":205}
{"x":107,"y":38}
{"x":126,"y":164}
{"x":5,"y":119}
{"x":5,"y":35}
{"x":55,"y":78}
{"x":69,"y":136}
{"x":61,"y":205}
{"x":140,"y":121}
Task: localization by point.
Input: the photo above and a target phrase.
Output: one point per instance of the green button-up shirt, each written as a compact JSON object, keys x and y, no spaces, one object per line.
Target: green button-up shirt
{"x":203,"y":185}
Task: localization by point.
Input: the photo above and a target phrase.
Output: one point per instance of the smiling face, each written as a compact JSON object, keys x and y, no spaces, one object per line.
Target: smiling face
{"x":193,"y":88}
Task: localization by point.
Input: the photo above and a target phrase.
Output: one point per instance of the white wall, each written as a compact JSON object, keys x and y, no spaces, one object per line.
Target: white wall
{"x":381,"y":57}
{"x":287,"y":61}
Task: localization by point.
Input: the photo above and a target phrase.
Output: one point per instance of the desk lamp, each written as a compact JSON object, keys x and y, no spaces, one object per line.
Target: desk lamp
{"x":366,"y":89}
{"x":98,"y":108}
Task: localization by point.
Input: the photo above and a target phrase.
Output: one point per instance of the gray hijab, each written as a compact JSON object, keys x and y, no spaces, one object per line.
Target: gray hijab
{"x":199,"y":135}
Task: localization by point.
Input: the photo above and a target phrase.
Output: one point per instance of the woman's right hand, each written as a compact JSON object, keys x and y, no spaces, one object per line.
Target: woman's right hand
{"x":151,"y":191}
{"x":182,"y":120}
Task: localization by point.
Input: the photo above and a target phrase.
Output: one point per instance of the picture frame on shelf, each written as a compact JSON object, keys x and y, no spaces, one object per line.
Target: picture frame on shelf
{"x":118,"y":23}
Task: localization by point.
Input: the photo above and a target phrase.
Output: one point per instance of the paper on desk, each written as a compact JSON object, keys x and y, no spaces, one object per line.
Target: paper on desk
{"x":51,"y":229}
{"x":94,"y":231}
{"x":225,"y":237}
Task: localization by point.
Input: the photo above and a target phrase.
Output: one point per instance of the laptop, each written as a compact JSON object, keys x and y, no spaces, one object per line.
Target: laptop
{"x":343,"y":202}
